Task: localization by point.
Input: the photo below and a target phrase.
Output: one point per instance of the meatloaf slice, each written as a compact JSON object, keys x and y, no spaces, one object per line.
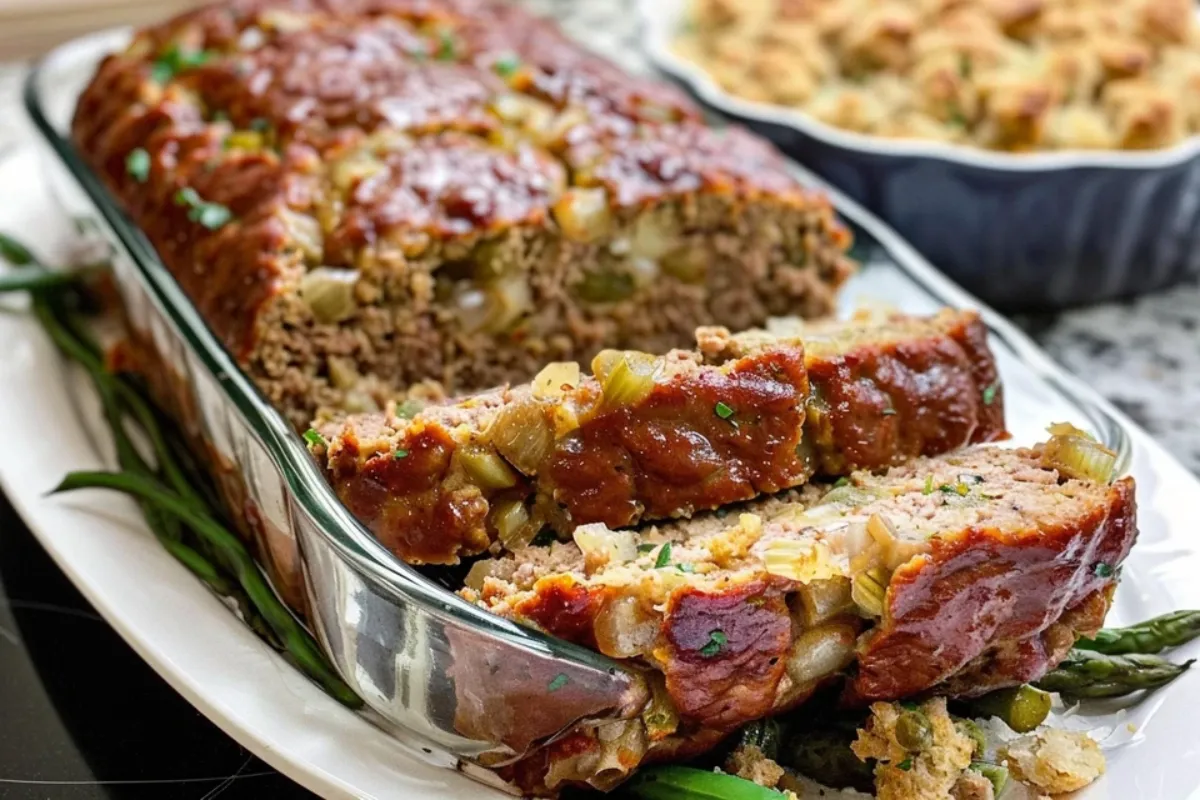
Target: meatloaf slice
{"x":361,"y":196}
{"x":983,"y":565}
{"x":656,"y":438}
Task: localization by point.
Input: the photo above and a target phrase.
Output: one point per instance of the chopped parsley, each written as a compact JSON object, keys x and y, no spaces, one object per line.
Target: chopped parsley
{"x":137,"y":164}
{"x":989,"y":394}
{"x":447,"y":46}
{"x":959,"y":488}
{"x":928,"y":485}
{"x":1103,"y":570}
{"x":409,"y":409}
{"x":507,"y":65}
{"x":964,"y":66}
{"x":260,"y":124}
{"x":313,"y":438}
{"x":889,"y":412}
{"x":905,"y":765}
{"x":716,"y":641}
{"x":173,"y":60}
{"x":722,"y":410}
{"x":647,"y":548}
{"x":664,"y":556}
{"x":400,"y":453}
{"x":842,"y":481}
{"x":210,"y":215}
{"x":560,"y":680}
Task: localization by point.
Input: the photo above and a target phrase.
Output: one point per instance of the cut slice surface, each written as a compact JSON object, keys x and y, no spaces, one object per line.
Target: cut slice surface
{"x":663,"y":437}
{"x":956,"y":574}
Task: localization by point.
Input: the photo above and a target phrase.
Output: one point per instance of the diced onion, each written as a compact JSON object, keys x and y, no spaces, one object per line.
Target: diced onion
{"x":342,"y":373}
{"x":350,"y":170}
{"x":583,"y":214}
{"x":624,"y":630}
{"x":895,"y":550}
{"x":480,"y":571}
{"x":652,"y":238}
{"x":486,"y":468}
{"x":797,"y":560}
{"x":514,"y":525}
{"x":329,"y":293}
{"x":849,"y":497}
{"x":305,"y":231}
{"x":556,"y":379}
{"x":821,"y":601}
{"x":869,"y":591}
{"x":606,"y":286}
{"x":821,"y":652}
{"x":523,"y":436}
{"x":494,"y":306}
{"x":1075,"y":454}
{"x":626,"y":378}
{"x":603,"y":547}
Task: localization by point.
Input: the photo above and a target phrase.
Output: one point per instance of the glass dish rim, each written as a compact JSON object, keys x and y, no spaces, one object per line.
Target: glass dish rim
{"x":348,"y":537}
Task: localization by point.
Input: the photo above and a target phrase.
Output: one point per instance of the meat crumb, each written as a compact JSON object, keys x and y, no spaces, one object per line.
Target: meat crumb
{"x":1055,"y":761}
{"x":751,"y":763}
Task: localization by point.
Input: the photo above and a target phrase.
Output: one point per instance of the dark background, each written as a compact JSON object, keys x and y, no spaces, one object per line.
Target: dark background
{"x":82,"y":717}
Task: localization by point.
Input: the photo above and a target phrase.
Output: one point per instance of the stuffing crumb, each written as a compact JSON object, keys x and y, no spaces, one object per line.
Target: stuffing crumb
{"x":972,"y":786}
{"x":925,"y":766}
{"x":748,"y":761}
{"x":1055,"y":761}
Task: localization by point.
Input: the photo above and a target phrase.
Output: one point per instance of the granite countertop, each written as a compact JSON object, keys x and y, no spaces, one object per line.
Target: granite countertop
{"x":1142,"y":354}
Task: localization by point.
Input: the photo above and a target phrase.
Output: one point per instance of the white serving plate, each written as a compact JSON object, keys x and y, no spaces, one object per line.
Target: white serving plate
{"x":202,"y":650}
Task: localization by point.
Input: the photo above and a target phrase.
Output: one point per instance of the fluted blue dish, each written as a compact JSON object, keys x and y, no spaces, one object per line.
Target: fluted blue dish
{"x":1020,"y":231}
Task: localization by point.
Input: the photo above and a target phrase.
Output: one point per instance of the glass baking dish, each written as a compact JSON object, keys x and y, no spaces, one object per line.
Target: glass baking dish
{"x":424,"y":660}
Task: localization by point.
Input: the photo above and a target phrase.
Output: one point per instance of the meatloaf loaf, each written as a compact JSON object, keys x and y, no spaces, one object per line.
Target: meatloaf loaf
{"x":953,"y":575}
{"x":362,"y":195}
{"x":660,"y":437}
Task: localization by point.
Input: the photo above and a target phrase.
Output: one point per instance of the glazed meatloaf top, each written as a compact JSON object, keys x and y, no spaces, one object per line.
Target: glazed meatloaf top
{"x":956,"y":574}
{"x":359,"y":196}
{"x":658,"y":437}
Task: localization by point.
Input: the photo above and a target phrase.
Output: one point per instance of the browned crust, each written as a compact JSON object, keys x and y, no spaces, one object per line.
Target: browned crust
{"x":879,"y":405}
{"x":980,"y":588}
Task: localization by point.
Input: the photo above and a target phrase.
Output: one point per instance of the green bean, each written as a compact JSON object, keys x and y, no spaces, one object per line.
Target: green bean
{"x":35,"y":279}
{"x":1151,"y":636}
{"x":14,"y":252}
{"x":1088,"y":674}
{"x":296,"y":640}
{"x":687,"y":783}
{"x":1021,"y":708}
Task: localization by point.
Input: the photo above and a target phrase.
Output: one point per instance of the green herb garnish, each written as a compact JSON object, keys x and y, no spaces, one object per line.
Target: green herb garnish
{"x":447,"y":46}
{"x":544,"y":538}
{"x":1103,"y":570}
{"x":313,"y":437}
{"x":560,"y":680}
{"x":507,"y":65}
{"x":964,"y":66}
{"x":400,"y":453}
{"x":716,"y":641}
{"x":905,"y":765}
{"x":210,"y":215}
{"x":260,"y":124}
{"x":928,"y":485}
{"x":842,"y":481}
{"x":173,"y":60}
{"x":664,"y":556}
{"x":647,"y":548}
{"x":409,"y":409}
{"x":989,"y":394}
{"x":722,"y":410}
{"x":137,"y":164}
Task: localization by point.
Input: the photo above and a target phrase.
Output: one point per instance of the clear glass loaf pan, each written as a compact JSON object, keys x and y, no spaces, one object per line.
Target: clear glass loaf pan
{"x":423,"y":659}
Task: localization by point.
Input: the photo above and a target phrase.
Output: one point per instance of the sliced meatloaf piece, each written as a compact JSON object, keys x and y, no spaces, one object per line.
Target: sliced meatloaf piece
{"x":953,"y":575}
{"x":360,"y":196}
{"x":656,"y":438}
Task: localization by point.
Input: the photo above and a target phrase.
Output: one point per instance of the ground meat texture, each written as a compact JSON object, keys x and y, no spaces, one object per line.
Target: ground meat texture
{"x":392,"y":192}
{"x":701,"y":435}
{"x":986,"y":562}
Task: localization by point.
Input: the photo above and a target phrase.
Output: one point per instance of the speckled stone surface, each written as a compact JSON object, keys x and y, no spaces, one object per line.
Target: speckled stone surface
{"x":1143,"y":354}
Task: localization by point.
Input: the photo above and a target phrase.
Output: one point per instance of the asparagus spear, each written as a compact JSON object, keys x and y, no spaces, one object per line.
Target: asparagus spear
{"x":1088,"y":674}
{"x":1151,"y":636}
{"x":1021,"y":708}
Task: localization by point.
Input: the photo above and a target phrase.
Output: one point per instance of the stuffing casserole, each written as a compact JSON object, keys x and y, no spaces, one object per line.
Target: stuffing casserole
{"x":1013,"y":75}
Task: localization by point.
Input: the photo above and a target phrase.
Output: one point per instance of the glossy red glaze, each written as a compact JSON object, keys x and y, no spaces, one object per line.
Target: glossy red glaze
{"x":983,"y":587}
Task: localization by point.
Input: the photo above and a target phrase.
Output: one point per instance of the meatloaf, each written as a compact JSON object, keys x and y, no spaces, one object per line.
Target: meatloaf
{"x":659,"y":437}
{"x":952,"y":575}
{"x":361,"y":195}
